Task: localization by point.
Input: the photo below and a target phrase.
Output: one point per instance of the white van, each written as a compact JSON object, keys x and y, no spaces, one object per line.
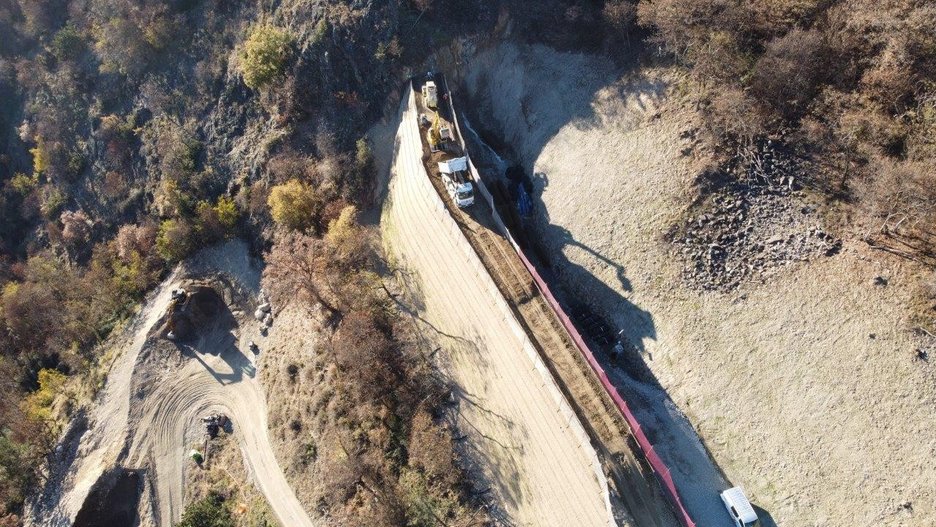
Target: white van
{"x":739,"y":508}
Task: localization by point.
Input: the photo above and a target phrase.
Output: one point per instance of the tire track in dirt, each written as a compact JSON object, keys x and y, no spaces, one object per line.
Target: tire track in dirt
{"x":215,"y":375}
{"x":539,"y":469}
{"x":148,"y":415}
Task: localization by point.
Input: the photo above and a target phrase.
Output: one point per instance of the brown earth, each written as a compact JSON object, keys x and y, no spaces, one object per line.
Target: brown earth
{"x":148,"y":414}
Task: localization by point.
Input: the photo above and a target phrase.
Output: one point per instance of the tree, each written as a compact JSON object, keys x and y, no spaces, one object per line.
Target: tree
{"x":344,"y":234}
{"x":297,"y":264}
{"x":76,"y":231}
{"x":135,"y":239}
{"x":175,"y":240}
{"x":620,"y":15}
{"x":68,"y":43}
{"x":264,"y":55}
{"x":293,"y":205}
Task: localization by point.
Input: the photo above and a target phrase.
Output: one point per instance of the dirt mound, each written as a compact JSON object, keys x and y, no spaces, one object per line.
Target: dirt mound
{"x":809,"y":389}
{"x":197,"y":309}
{"x":755,"y":221}
{"x":113,"y":500}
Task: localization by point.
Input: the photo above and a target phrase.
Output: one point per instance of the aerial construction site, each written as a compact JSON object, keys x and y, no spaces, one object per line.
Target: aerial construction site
{"x":615,"y":263}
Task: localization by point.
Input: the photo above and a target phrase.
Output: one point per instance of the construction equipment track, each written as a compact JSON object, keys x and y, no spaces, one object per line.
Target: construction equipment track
{"x":632,"y":478}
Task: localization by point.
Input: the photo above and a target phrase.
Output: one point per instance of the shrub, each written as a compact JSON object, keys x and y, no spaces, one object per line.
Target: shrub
{"x":175,"y":240}
{"x":787,"y":75}
{"x":17,"y":473}
{"x":293,"y":205}
{"x":210,"y":511}
{"x":53,"y":200}
{"x":24,"y":184}
{"x":40,"y":157}
{"x":264,"y":55}
{"x":39,"y":403}
{"x":218,"y":220}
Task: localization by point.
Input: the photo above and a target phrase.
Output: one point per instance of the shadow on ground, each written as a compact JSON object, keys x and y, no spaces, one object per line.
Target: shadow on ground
{"x":503,"y":96}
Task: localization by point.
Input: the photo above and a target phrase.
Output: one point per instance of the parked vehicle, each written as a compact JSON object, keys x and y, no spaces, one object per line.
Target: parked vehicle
{"x":430,"y":94}
{"x":739,"y":508}
{"x":455,"y":177}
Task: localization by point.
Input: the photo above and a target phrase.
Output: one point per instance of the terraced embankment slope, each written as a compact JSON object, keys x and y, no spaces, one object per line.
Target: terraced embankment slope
{"x":528,"y":445}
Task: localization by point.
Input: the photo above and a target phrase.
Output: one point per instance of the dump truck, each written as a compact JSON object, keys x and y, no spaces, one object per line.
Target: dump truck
{"x":430,"y":94}
{"x":455,"y":177}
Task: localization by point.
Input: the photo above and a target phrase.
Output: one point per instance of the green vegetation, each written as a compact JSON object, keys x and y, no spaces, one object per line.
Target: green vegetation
{"x":265,"y":55}
{"x":68,"y":43}
{"x":175,"y":240}
{"x":211,"y":511}
{"x":293,"y":204}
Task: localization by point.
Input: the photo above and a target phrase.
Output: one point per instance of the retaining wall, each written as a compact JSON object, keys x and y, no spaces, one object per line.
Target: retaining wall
{"x":568,"y":414}
{"x":656,"y":463}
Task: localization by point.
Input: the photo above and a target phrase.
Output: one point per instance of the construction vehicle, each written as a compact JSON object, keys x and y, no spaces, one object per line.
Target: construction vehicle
{"x":214,"y":423}
{"x":438,"y":135}
{"x":739,"y":508}
{"x":455,"y":177}
{"x":430,"y":94}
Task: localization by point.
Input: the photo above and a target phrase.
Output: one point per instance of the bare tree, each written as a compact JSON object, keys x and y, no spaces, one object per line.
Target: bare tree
{"x":297,"y":263}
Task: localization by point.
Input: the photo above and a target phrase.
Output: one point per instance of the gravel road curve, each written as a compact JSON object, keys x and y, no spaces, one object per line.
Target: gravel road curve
{"x":148,"y":415}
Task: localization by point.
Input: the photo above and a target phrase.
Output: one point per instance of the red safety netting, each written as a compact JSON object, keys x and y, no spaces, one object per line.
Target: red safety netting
{"x":654,"y":460}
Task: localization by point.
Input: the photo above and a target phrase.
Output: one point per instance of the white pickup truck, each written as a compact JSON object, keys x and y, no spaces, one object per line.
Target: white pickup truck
{"x":455,"y":177}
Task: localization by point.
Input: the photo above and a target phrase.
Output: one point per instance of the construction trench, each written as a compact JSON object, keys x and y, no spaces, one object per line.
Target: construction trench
{"x":636,"y":491}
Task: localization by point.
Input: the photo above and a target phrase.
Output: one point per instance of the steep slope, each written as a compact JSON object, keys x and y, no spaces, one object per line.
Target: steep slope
{"x":537,"y":463}
{"x":805,"y":388}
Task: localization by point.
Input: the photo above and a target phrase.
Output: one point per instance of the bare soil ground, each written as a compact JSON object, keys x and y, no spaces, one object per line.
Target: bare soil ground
{"x":633,"y":482}
{"x":526,"y":452}
{"x":148,"y":415}
{"x":804,"y":385}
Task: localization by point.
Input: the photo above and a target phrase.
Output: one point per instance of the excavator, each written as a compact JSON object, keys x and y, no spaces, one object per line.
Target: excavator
{"x":438,"y":134}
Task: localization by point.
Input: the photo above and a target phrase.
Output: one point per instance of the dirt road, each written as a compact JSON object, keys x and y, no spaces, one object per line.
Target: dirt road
{"x":535,"y":459}
{"x":149,"y":412}
{"x":805,"y":387}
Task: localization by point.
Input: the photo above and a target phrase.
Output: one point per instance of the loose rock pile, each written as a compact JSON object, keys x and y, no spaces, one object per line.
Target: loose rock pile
{"x":264,"y":312}
{"x":749,"y":231}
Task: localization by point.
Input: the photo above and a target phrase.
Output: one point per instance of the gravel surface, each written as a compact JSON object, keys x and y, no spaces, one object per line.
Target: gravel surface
{"x":802,"y":379}
{"x":149,"y":413}
{"x":521,"y":446}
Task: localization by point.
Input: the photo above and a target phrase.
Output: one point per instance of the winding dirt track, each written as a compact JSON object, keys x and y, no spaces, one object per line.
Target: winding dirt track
{"x":224,"y":382}
{"x":148,"y":415}
{"x":528,"y":446}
